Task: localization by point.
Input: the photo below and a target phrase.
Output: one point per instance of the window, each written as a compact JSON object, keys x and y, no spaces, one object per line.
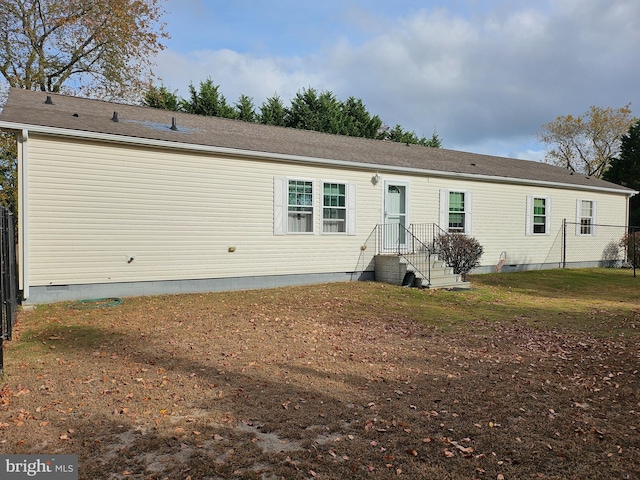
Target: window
{"x":294,"y":206}
{"x":455,"y":211}
{"x":538,"y":215}
{"x":300,"y":207}
{"x":585,"y":217}
{"x":334,"y":208}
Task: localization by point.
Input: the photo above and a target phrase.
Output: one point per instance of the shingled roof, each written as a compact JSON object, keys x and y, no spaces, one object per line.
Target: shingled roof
{"x":67,"y":115}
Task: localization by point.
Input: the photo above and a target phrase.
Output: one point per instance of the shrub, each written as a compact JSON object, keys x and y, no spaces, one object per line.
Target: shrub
{"x":611,"y":255}
{"x":460,"y":252}
{"x":631,"y":243}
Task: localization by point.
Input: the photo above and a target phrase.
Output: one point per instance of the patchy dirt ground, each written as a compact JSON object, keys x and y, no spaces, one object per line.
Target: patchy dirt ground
{"x":331,"y":381}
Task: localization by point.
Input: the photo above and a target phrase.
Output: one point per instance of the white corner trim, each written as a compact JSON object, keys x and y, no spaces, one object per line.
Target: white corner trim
{"x":23,"y":209}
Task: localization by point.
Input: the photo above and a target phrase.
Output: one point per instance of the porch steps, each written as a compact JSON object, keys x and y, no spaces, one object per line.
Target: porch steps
{"x":395,"y":269}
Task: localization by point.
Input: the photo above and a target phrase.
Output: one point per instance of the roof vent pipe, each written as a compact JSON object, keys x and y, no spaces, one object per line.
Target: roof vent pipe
{"x":48,"y":101}
{"x":173,"y":124}
{"x":115,"y":117}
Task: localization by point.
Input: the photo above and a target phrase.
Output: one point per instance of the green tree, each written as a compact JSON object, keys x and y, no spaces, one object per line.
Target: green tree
{"x":207,"y":100}
{"x":273,"y":112}
{"x":434,"y":141}
{"x":312,"y":111}
{"x":8,"y":171}
{"x":161,"y":97}
{"x":625,"y":169}
{"x":245,"y":109}
{"x":357,"y":121}
{"x":399,"y":134}
{"x":323,"y":112}
{"x":587,"y":143}
{"x":96,"y":48}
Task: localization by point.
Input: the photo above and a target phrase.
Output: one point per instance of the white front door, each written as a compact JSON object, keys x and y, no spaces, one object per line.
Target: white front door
{"x":395,"y":216}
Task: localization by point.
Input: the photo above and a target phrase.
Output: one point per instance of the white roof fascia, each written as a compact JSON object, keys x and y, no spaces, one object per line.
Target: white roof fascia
{"x":108,"y":137}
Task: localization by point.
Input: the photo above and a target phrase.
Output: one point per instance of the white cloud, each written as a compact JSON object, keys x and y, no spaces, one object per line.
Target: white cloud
{"x":485,"y":81}
{"x":235,"y":73}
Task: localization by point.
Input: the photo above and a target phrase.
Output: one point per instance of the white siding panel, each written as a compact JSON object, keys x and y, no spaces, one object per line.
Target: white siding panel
{"x":94,"y":205}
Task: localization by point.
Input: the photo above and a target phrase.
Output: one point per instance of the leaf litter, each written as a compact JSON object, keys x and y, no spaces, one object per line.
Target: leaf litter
{"x":330,"y":381}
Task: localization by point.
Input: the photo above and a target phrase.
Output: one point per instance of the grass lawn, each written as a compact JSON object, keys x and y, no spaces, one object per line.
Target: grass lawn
{"x":526,"y":375}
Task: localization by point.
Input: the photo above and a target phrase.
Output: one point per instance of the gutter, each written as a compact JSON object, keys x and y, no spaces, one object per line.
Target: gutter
{"x":234,"y":152}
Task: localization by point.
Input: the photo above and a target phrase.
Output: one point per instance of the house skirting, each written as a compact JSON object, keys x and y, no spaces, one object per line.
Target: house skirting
{"x":62,"y":293}
{"x":521,"y":267}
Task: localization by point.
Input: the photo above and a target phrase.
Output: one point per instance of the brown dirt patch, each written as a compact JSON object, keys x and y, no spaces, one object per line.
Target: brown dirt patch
{"x":330,"y":381}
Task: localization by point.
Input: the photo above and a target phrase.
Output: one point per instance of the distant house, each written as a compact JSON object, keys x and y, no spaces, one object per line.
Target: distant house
{"x":120,"y":200}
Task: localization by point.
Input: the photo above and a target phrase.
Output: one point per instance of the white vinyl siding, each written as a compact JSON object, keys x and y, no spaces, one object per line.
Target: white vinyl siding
{"x":456,"y":211}
{"x":538,"y":215}
{"x":93,"y":205}
{"x":585,"y":217}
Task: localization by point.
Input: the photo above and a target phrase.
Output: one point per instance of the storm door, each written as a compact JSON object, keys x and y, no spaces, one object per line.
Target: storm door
{"x":395,"y":216}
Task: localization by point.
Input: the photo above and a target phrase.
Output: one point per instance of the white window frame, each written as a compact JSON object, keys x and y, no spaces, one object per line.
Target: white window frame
{"x":468,"y":209}
{"x":530,"y":215}
{"x":281,"y":205}
{"x":350,"y":207}
{"x":580,"y":217}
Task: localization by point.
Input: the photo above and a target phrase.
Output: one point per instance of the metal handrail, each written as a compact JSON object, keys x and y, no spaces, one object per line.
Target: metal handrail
{"x":416,"y":239}
{"x":398,"y":239}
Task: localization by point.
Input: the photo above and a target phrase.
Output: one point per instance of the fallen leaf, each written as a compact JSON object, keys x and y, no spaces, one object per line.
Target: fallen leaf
{"x":449,"y":453}
{"x":464,"y":449}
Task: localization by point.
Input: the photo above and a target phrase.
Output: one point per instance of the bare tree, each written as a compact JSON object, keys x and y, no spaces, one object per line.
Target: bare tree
{"x":586,"y":144}
{"x":99,"y":48}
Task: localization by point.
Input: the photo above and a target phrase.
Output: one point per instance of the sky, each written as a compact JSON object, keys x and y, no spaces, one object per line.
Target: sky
{"x":485,"y":74}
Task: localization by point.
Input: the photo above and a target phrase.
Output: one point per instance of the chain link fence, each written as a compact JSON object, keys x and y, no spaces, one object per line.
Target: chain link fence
{"x":591,"y":245}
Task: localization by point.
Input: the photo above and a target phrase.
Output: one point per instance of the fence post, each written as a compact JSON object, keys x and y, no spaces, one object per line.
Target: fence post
{"x":563,"y":253}
{"x":635,"y":259}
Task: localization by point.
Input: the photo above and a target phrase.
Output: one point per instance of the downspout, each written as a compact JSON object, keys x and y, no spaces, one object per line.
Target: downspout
{"x":23,"y":209}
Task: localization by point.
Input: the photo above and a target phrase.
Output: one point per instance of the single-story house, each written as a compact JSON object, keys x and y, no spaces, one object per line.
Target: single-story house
{"x":118,"y":200}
